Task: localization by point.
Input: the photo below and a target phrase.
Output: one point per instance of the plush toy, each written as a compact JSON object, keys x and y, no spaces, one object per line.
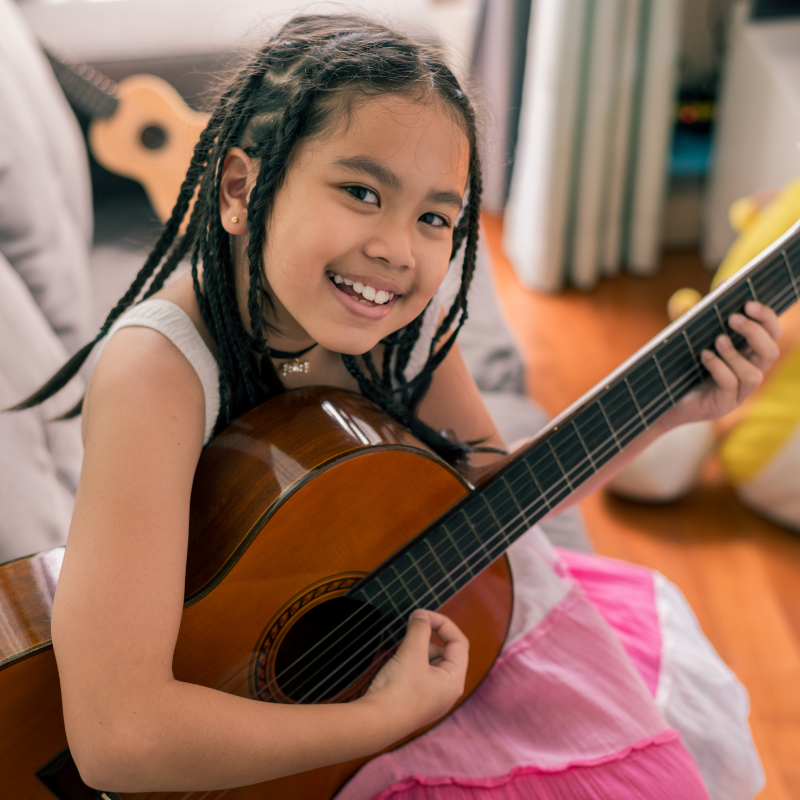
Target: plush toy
{"x":760,"y":453}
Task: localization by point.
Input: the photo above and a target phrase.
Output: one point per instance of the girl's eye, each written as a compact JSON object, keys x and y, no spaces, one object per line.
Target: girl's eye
{"x":435,"y":220}
{"x":363,"y":194}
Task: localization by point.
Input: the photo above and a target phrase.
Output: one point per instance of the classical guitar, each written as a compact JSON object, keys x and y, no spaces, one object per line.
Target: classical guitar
{"x":141,"y":128}
{"x":295,"y":595}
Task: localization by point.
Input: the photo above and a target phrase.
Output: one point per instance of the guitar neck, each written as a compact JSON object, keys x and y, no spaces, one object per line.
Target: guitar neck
{"x":88,"y":90}
{"x":452,"y":551}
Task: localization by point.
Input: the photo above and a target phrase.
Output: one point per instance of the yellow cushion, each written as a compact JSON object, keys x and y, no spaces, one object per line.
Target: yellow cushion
{"x":773,"y":221}
{"x":768,"y":424}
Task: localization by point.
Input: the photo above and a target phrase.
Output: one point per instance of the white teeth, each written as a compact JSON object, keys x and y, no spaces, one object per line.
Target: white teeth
{"x":371,"y":295}
{"x":365,"y":303}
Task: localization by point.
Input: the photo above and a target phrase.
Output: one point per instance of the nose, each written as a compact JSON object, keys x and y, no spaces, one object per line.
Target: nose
{"x":392,"y":243}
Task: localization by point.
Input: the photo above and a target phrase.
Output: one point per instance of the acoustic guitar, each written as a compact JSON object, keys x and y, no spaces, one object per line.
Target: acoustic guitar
{"x":141,"y":128}
{"x":295,"y":595}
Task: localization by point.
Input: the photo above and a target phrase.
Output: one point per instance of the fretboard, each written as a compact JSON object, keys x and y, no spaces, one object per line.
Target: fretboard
{"x":88,"y":90}
{"x":453,"y":550}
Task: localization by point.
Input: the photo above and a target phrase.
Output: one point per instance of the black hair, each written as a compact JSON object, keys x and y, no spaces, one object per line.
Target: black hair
{"x":313,"y":69}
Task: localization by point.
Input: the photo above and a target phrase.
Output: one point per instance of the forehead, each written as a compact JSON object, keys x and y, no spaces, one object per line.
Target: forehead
{"x":421,"y":138}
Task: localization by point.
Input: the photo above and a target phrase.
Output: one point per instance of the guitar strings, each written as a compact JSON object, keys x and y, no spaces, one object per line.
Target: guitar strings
{"x":678,"y":386}
{"x":519,"y":520}
{"x":460,"y":530}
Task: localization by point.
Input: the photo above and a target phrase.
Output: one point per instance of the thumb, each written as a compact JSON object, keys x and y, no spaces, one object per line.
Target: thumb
{"x":418,"y":633}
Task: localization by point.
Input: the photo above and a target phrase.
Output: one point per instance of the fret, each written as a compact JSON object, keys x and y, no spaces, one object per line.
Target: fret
{"x":430,"y":590}
{"x":585,"y":448}
{"x":547,"y":470}
{"x":769,"y":282}
{"x":496,"y":500}
{"x":645,"y":384}
{"x":610,"y":426}
{"x":595,"y":432}
{"x":441,"y":566}
{"x":513,"y":497}
{"x":561,"y":468}
{"x":462,"y":561}
{"x":476,"y":535}
{"x":399,"y":579}
{"x":791,"y":274}
{"x":539,"y":489}
{"x":719,"y":319}
{"x":570,"y":454}
{"x":753,"y":290}
{"x":622,"y":412}
{"x":384,"y":594}
{"x":695,"y":360}
{"x":664,"y":379}
{"x":524,"y":492}
{"x":633,"y":397}
{"x":500,"y":526}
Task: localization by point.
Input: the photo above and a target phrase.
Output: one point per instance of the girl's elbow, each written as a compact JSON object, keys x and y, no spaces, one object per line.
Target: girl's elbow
{"x":110,"y":758}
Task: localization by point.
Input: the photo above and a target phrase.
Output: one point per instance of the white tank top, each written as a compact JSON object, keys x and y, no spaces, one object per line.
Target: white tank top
{"x":173,"y":322}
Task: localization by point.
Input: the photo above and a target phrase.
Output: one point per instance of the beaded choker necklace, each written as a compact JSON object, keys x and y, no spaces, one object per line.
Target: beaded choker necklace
{"x":293,"y":364}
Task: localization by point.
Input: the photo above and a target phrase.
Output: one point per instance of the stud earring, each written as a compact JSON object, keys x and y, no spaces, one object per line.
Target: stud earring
{"x":234,"y":220}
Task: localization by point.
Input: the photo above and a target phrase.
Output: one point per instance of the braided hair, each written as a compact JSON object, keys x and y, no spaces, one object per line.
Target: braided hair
{"x":293,"y":87}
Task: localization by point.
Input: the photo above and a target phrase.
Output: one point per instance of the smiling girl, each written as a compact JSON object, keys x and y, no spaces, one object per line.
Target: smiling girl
{"x":337,"y":178}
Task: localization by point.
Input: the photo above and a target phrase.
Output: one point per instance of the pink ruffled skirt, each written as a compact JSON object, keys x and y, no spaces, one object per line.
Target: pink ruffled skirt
{"x":606,"y":688}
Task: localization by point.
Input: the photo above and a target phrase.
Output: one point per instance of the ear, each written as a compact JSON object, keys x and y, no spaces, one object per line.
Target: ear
{"x":239,"y":174}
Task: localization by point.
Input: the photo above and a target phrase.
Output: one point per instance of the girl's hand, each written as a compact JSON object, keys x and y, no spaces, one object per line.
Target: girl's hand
{"x":736,"y":374}
{"x":421,"y":681}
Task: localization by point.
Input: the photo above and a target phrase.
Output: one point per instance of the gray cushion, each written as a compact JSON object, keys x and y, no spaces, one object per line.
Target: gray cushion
{"x":41,"y":459}
{"x":45,"y":194}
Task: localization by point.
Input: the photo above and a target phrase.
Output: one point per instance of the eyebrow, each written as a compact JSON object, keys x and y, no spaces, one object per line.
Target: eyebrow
{"x":385,"y":176}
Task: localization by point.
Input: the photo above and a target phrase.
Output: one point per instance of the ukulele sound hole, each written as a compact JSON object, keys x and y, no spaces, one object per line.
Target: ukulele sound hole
{"x":153,"y":137}
{"x":332,"y":652}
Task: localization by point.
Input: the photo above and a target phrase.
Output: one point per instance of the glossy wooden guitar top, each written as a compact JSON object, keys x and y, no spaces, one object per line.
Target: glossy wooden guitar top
{"x":275,"y":536}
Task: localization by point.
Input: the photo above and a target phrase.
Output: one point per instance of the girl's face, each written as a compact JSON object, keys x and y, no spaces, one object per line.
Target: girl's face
{"x":361,"y":230}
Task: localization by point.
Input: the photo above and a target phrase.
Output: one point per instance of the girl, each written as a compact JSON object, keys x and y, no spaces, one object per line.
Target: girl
{"x":335,"y":181}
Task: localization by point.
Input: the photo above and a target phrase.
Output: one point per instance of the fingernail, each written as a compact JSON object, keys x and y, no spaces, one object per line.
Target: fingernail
{"x":723,"y":343}
{"x":419,"y":614}
{"x":752,"y":307}
{"x":736,"y":320}
{"x":706,"y":355}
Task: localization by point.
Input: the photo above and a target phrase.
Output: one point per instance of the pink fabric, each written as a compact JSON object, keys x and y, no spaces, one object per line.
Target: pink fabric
{"x":634,"y":775}
{"x":625,"y":596}
{"x":563,"y":713}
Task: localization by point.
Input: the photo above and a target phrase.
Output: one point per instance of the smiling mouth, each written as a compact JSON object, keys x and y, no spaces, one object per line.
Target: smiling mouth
{"x":363,"y":293}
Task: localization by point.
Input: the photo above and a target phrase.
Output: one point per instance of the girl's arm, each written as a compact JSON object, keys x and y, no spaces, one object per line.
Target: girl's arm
{"x":131,"y":726}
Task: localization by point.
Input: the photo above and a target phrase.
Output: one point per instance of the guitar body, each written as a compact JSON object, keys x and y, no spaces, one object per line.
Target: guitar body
{"x":291,"y":506}
{"x":150,"y":137}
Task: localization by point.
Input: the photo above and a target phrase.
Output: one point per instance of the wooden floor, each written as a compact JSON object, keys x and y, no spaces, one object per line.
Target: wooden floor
{"x":740,"y":573}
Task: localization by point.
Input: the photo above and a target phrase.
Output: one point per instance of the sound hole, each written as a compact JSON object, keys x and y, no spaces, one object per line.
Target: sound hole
{"x":153,"y":137}
{"x":329,"y":648}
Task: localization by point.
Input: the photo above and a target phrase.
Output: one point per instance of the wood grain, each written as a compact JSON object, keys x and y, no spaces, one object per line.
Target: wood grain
{"x":740,"y":573}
